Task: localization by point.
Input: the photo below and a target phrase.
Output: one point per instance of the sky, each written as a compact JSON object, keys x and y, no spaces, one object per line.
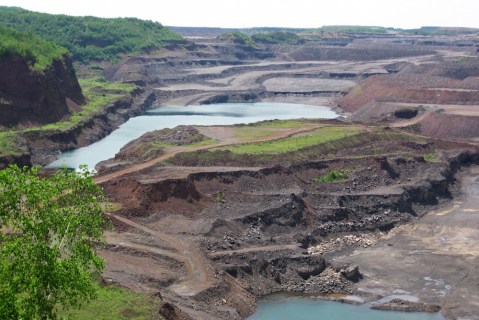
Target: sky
{"x":270,"y":13}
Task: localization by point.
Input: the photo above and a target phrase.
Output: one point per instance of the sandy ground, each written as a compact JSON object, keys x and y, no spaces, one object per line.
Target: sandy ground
{"x":279,"y":77}
{"x":434,"y":259}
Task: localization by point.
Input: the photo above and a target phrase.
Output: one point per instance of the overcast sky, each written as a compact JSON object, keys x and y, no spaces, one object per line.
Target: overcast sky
{"x":277,"y":13}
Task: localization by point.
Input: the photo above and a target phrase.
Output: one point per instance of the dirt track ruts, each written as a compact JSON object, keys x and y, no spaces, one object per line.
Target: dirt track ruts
{"x":198,"y":275}
{"x":148,"y":164}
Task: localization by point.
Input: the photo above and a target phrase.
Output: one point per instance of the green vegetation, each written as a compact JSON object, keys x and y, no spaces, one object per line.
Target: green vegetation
{"x":219,"y":197}
{"x":266,"y":128}
{"x":287,"y":124}
{"x":48,"y":227}
{"x":380,"y":142}
{"x":266,"y":37}
{"x":431,"y":157}
{"x":333,"y":176}
{"x":237,"y":37}
{"x":294,"y":143}
{"x":114,"y":303}
{"x":10,"y":144}
{"x":277,"y":37}
{"x":90,"y":38}
{"x":99,"y":94}
{"x":38,"y":53}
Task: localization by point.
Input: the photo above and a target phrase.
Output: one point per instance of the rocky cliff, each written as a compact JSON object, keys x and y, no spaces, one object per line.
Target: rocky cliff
{"x":30,"y":97}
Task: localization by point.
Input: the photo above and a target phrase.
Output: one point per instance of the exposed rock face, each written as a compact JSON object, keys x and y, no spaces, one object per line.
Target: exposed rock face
{"x":170,"y":312}
{"x":351,"y":273}
{"x":31,"y":97}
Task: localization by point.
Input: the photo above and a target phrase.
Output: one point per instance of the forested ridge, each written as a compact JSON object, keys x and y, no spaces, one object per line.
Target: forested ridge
{"x":90,"y":38}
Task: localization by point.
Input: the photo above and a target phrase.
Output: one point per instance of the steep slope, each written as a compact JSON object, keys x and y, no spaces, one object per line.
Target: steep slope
{"x":38,"y":84}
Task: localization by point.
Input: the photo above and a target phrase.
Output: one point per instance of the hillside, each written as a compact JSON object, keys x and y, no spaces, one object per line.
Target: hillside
{"x":90,"y":38}
{"x":37,"y":80}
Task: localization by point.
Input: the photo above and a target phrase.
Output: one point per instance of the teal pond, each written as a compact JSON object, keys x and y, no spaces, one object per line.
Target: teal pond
{"x":308,"y":309}
{"x":170,"y":117}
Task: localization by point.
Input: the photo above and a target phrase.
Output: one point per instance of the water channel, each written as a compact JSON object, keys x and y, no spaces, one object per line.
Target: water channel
{"x":169,"y":117}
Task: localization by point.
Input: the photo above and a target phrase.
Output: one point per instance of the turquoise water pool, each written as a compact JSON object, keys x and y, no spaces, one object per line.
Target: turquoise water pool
{"x":307,"y":309}
{"x":169,"y":117}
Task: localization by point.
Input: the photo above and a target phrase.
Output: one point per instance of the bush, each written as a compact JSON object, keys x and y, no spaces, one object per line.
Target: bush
{"x":333,"y":176}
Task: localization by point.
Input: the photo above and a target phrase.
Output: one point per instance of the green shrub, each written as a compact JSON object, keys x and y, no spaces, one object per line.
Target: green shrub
{"x":333,"y":176}
{"x":430,"y":157}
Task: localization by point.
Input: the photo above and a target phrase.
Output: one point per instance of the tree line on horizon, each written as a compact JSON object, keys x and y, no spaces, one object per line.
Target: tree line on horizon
{"x":90,"y":38}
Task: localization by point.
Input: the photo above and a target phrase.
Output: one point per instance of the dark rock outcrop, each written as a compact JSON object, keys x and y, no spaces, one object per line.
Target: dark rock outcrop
{"x":170,"y":312}
{"x":37,"y":97}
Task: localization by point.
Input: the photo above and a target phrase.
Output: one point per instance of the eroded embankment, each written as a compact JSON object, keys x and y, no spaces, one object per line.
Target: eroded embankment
{"x":44,"y":145}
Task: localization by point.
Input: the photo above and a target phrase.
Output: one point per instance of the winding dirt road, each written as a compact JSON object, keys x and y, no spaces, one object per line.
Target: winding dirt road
{"x":198,"y":275}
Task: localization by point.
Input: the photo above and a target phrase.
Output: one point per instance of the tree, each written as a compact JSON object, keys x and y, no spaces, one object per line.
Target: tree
{"x":48,"y":231}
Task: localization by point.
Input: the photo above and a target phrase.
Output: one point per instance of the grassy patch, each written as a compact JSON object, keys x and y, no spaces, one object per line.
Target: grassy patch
{"x":358,"y":144}
{"x":431,"y":157}
{"x":333,"y":176}
{"x":266,"y":128}
{"x":116,"y":303}
{"x":288,"y":124}
{"x":111,"y":206}
{"x":294,"y":143}
{"x":10,"y":143}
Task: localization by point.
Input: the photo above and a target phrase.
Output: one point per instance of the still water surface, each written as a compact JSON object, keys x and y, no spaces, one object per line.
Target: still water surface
{"x":169,"y":117}
{"x":306,"y":309}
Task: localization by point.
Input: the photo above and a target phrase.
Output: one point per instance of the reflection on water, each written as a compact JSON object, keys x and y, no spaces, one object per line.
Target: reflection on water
{"x":306,"y":309}
{"x":169,"y":117}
